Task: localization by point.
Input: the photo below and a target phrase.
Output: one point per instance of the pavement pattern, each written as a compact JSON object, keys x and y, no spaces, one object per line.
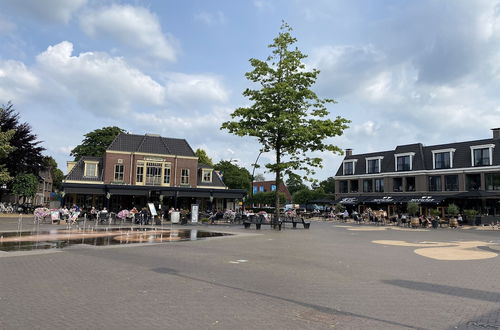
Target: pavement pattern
{"x":322,"y":278}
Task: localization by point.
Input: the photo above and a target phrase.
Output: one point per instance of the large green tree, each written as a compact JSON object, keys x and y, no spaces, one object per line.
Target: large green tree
{"x":234,"y":177}
{"x":5,"y":149}
{"x":294,"y":183}
{"x":306,"y":195}
{"x":328,"y":185}
{"x":286,"y":116}
{"x":203,"y":157}
{"x":25,"y":185}
{"x":96,"y":142}
{"x":27,"y":155}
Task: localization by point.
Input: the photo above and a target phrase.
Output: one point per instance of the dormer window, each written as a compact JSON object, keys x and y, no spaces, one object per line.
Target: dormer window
{"x":442,"y":158}
{"x":404,"y":162}
{"x":206,"y":175}
{"x":90,"y":170}
{"x":373,"y":164}
{"x":349,"y":166}
{"x":482,"y":155}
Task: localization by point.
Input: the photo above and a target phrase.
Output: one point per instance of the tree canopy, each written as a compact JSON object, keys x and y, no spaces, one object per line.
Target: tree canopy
{"x":328,"y":185}
{"x":96,"y":142}
{"x":294,"y":183}
{"x":25,"y":185}
{"x":5,"y":149}
{"x":26,"y":155}
{"x":234,"y":177}
{"x":259,"y":177}
{"x":286,"y":116}
{"x":306,"y":195}
{"x":203,"y":157}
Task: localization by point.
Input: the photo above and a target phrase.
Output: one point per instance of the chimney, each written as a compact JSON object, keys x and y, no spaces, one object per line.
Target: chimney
{"x":348,"y":152}
{"x":496,"y":133}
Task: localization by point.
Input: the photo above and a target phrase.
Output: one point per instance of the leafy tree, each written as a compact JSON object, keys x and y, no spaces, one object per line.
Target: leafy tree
{"x":259,"y":177}
{"x":96,"y":142}
{"x":295,"y":183}
{"x":5,"y":150}
{"x":265,"y":198}
{"x":203,"y":157}
{"x":286,"y":116}
{"x":234,"y":177}
{"x":328,"y":185}
{"x":25,"y":185}
{"x":306,"y":195}
{"x":27,"y":155}
{"x":57,"y":174}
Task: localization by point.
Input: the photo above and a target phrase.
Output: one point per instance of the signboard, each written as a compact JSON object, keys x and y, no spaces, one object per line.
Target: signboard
{"x":175,"y":216}
{"x":194,"y":213}
{"x":152,"y":209}
{"x":54,"y":215}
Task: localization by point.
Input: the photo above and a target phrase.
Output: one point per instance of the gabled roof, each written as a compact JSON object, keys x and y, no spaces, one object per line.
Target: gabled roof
{"x":77,"y":173}
{"x":216,"y":179}
{"x":422,"y":160}
{"x":151,"y":144}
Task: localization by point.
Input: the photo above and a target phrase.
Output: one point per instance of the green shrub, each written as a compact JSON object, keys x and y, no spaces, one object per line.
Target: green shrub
{"x":470,"y":213}
{"x":412,"y":208}
{"x":452,"y":210}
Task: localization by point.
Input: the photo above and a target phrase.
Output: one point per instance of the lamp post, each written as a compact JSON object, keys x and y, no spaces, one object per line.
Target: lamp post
{"x":253,"y":171}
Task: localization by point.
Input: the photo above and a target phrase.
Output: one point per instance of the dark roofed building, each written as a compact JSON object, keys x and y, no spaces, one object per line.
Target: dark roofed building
{"x":137,"y":169}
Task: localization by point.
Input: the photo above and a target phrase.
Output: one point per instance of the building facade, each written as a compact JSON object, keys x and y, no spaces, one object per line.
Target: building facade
{"x":265,"y":186}
{"x":139,"y":169}
{"x":464,"y":173}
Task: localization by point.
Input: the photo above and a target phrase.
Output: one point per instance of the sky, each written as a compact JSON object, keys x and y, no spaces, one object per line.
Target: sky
{"x":402,"y":71}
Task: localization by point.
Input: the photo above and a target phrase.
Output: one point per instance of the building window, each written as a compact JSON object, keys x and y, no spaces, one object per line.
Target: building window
{"x":273,"y":187}
{"x":139,"y":176}
{"x":379,"y":185}
{"x":403,"y":163}
{"x":254,"y":189}
{"x":410,"y":183}
{"x":349,"y":167}
{"x":343,"y":187}
{"x":372,"y":165}
{"x":367,"y":185}
{"x":153,"y":174}
{"x":206,"y":175}
{"x":397,"y":184}
{"x":473,"y":181}
{"x":354,"y":186}
{"x":118,"y":172}
{"x":482,"y":155}
{"x":451,"y":182}
{"x":493,"y":181}
{"x":442,"y":160}
{"x":261,"y":188}
{"x":435,"y":183}
{"x":91,"y":170}
{"x":185,"y":176}
{"x":166,"y":175}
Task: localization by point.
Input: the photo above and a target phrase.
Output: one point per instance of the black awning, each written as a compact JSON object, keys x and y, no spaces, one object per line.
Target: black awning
{"x":478,"y":194}
{"x":193,"y":194}
{"x":84,"y":190}
{"x":322,"y":201}
{"x":427,"y":199}
{"x":382,"y":200}
{"x":349,"y":200}
{"x":229,"y":194}
{"x":168,"y":193}
{"x":128,"y":191}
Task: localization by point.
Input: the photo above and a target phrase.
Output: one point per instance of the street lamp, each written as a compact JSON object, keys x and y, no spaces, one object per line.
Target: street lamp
{"x":253,"y":171}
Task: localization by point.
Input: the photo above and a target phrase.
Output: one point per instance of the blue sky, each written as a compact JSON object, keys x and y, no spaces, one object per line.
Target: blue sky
{"x":402,"y":71}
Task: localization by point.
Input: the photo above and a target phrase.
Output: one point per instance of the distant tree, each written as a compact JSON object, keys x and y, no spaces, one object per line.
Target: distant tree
{"x":57,"y":174}
{"x":328,"y":185}
{"x":234,"y":177}
{"x":285,"y":115}
{"x":295,"y":183}
{"x":96,"y":142}
{"x":265,"y":198}
{"x":25,"y":185}
{"x":306,"y":195}
{"x":203,"y":157}
{"x":5,"y":149}
{"x":27,"y":155}
{"x":259,"y":177}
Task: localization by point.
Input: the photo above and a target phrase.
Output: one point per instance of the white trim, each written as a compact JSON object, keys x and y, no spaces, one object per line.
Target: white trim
{"x":203,"y":172}
{"x":482,"y":146}
{"x":404,"y":154}
{"x":354,"y":161}
{"x":451,"y":151}
{"x":90,"y":162}
{"x":379,"y":158}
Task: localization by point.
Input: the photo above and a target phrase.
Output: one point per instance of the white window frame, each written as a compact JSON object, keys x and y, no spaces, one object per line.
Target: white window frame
{"x":87,"y":162}
{"x":411,"y":154}
{"x":353,"y":161}
{"x":185,"y":176}
{"x":451,"y":151}
{"x":483,"y":146}
{"x":379,"y":158}
{"x":122,"y":173}
{"x":206,"y":171}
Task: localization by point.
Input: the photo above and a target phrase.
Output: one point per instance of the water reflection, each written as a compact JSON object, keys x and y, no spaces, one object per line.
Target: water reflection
{"x":58,"y":239}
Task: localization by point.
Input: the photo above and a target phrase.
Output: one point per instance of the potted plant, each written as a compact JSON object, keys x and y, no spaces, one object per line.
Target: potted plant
{"x":470,"y":214}
{"x":452,"y":211}
{"x":413,"y":209}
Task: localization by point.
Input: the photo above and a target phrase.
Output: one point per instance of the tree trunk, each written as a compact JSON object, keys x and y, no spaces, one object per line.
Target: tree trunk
{"x":276,"y":192}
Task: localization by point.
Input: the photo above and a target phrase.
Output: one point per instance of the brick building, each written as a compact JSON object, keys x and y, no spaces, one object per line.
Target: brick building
{"x":264,"y":186}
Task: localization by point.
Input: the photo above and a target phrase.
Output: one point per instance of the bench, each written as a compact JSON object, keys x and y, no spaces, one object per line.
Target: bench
{"x":258,"y":221}
{"x":295,"y":220}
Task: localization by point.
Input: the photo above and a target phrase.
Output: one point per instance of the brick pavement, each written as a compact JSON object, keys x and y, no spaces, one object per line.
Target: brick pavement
{"x":295,"y":279}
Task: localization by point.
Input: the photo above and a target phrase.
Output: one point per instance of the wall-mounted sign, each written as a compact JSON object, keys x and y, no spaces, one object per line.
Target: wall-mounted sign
{"x":194,"y":213}
{"x":154,"y":159}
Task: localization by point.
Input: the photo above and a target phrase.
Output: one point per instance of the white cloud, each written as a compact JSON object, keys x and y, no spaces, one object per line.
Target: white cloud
{"x":16,"y":81}
{"x":135,"y":27}
{"x":104,"y":85}
{"x":263,"y":5}
{"x":216,"y":18}
{"x":55,"y":11}
{"x":191,"y":90}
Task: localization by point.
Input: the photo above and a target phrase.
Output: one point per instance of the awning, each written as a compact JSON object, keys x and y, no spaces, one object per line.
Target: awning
{"x":349,"y":200}
{"x":84,"y":190}
{"x":193,"y":194}
{"x":168,"y":193}
{"x":478,"y":194}
{"x":322,"y":201}
{"x":427,"y":199}
{"x":382,"y":200}
{"x":128,"y":192}
{"x":221,"y":194}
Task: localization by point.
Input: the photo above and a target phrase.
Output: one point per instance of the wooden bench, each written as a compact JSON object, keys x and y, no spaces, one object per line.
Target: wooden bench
{"x":258,"y":221}
{"x":295,"y":220}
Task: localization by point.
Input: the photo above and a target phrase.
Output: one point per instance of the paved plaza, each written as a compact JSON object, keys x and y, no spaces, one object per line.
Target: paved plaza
{"x":334,"y":275}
